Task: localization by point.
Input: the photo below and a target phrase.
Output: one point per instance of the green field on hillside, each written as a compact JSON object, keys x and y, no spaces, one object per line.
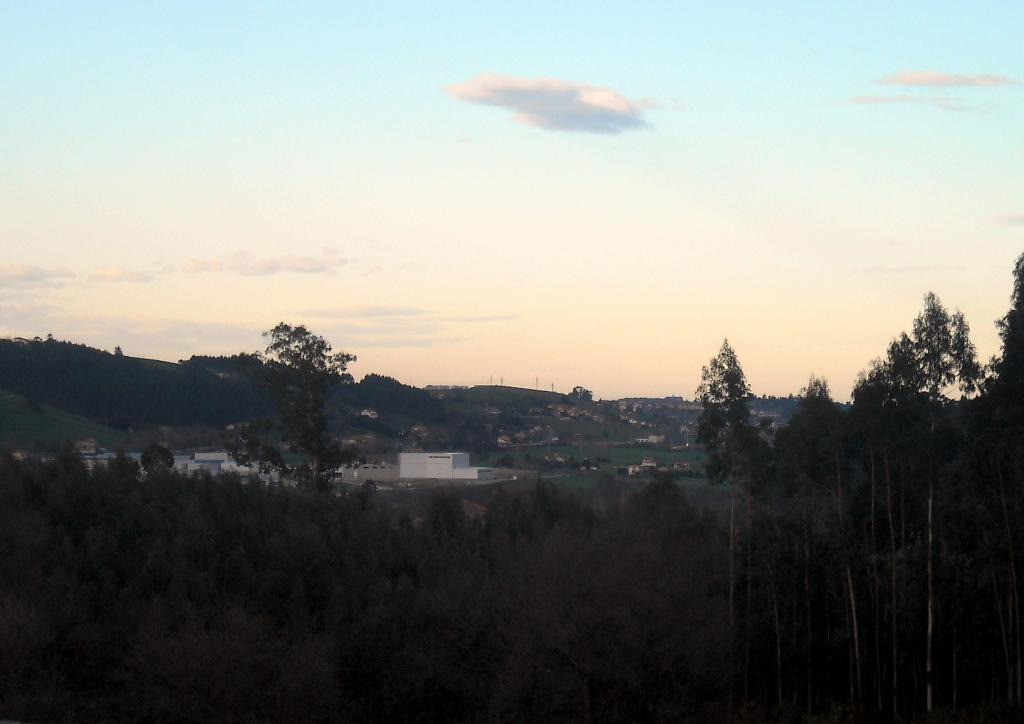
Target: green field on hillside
{"x":499,"y":394}
{"x":619,"y":456}
{"x":43,"y":426}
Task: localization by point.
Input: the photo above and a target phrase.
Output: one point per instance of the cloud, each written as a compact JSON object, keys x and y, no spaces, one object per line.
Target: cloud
{"x":909,"y":269}
{"x":372,"y":326}
{"x":395,"y":317}
{"x":27,"y":316}
{"x":933,"y":79}
{"x":119,"y":274}
{"x":31,"y":275}
{"x":555,"y":105}
{"x":368,"y":310}
{"x":194,"y":266}
{"x":385,"y":342}
{"x":946,"y":103}
{"x":480,"y":318}
{"x":327,"y":262}
{"x":1010,"y":219}
{"x":160,"y":338}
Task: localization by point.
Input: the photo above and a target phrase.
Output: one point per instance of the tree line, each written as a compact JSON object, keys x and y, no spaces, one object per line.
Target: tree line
{"x":160,"y":597}
{"x":872,"y":558}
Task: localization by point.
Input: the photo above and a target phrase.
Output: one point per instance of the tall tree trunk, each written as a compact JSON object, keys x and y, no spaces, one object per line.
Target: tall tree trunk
{"x":1005,"y":639}
{"x":856,"y":630}
{"x":1014,"y":591}
{"x":849,"y":654}
{"x":746,"y":614}
{"x":876,"y":585}
{"x":732,"y":596}
{"x":931,"y":602}
{"x":894,"y":568}
{"x":849,"y":579}
{"x":778,"y":648}
{"x":807,"y":609}
{"x":954,"y":669}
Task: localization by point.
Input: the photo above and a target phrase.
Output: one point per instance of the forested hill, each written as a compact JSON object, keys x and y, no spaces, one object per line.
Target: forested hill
{"x":123,"y":391}
{"x":387,"y":393}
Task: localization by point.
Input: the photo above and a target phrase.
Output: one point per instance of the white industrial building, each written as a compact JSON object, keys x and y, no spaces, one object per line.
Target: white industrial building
{"x":439,"y":466}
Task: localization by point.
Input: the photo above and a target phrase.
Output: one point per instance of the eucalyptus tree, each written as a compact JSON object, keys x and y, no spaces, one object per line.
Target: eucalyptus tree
{"x":813,"y":464}
{"x":913,"y":381}
{"x":728,"y":438}
{"x":300,"y":368}
{"x":1000,"y":425}
{"x":946,"y":357}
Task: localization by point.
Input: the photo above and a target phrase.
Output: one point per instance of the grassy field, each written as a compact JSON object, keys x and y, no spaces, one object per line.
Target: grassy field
{"x":566,"y":427}
{"x":498,"y":394}
{"x":619,"y":456}
{"x":45,"y":426}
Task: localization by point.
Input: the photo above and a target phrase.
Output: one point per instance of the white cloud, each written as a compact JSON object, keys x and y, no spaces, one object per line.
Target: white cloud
{"x":1010,"y":219}
{"x":933,"y":79}
{"x":327,"y":262}
{"x":555,"y":105}
{"x":119,"y":274}
{"x":31,"y":275}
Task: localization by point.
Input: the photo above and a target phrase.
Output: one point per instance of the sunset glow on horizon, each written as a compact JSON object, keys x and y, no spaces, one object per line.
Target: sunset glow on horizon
{"x":540,"y":195}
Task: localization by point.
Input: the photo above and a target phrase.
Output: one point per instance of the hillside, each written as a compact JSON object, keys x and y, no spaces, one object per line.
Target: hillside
{"x":24,"y":424}
{"x":59,"y":391}
{"x":497,"y":394}
{"x":124,"y":392}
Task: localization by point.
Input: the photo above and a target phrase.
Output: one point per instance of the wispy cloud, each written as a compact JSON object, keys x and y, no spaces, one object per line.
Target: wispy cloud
{"x":245,"y":264}
{"x":368,"y":310}
{"x":909,"y":269}
{"x":1009,"y":219}
{"x":168,"y":339}
{"x":917,"y":79}
{"x":31,"y":275}
{"x":934,"y":79}
{"x":471,"y":318}
{"x":946,"y":103}
{"x":27,"y":315}
{"x":555,"y":105}
{"x":119,"y":274}
{"x":371,"y":326}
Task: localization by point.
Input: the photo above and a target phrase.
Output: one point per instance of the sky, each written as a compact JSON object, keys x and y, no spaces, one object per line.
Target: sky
{"x":538,"y":193}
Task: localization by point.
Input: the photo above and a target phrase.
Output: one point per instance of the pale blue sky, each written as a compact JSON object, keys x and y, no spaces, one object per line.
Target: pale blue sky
{"x":142,"y":146}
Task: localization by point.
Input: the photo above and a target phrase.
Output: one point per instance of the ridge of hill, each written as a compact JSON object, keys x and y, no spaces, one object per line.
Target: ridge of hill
{"x":121,"y":391}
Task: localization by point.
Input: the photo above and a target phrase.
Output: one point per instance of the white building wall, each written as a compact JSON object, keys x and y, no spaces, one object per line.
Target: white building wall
{"x":437,"y":466}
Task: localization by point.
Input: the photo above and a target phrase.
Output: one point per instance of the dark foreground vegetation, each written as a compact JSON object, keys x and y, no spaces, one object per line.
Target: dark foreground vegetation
{"x":866,"y":570}
{"x":176,"y":599}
